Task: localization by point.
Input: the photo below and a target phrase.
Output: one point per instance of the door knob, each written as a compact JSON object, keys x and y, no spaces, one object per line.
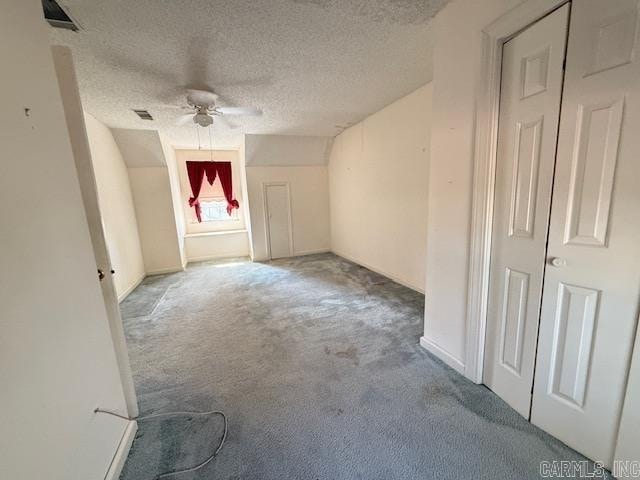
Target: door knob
{"x":100,"y":274}
{"x":558,"y":262}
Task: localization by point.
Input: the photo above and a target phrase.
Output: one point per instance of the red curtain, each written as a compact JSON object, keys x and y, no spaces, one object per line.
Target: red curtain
{"x":196,"y":172}
{"x":224,"y":174}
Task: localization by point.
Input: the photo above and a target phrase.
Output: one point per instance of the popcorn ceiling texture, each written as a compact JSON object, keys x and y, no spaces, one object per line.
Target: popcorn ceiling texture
{"x":396,"y":11}
{"x":313,"y":66}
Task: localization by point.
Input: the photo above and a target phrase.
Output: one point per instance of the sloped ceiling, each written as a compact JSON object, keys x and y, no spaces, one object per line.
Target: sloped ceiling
{"x":140,"y":148}
{"x":286,"y":150}
{"x":313,"y":66}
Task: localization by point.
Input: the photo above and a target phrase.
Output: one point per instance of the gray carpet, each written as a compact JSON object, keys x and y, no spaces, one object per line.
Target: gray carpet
{"x":316,"y":363}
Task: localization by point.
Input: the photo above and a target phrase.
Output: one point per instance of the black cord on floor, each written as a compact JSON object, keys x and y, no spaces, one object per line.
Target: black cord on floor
{"x":172,"y":414}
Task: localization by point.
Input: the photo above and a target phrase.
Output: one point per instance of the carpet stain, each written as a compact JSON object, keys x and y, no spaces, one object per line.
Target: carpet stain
{"x":335,"y":411}
{"x":350,"y":353}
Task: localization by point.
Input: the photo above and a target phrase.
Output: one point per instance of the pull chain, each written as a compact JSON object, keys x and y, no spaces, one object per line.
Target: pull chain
{"x":210,"y":144}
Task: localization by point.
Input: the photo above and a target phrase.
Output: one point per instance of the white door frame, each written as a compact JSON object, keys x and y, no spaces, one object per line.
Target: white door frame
{"x":485,"y":159}
{"x":265,"y":208}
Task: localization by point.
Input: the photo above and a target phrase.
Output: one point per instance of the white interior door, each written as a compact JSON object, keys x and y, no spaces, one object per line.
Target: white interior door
{"x":74,"y":115}
{"x":278,"y":225}
{"x":531,"y":89}
{"x":592,"y":281}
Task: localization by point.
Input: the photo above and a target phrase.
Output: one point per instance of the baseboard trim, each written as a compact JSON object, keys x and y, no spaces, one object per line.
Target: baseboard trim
{"x":295,"y":254}
{"x":442,"y":354}
{"x":163,"y":271}
{"x":311,"y":252}
{"x":133,"y":286}
{"x":379,"y":271}
{"x":122,"y":452}
{"x":216,"y":233}
{"x":216,"y":257}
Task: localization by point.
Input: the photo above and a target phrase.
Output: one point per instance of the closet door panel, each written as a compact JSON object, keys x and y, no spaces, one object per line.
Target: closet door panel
{"x":529,"y":113}
{"x":592,"y":279}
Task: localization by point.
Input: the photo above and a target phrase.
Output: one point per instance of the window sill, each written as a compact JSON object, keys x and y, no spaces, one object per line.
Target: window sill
{"x":211,"y":234}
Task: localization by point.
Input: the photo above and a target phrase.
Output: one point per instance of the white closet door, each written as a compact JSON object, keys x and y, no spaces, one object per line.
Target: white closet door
{"x":628,"y":444}
{"x":528,"y":124}
{"x":592,"y":281}
{"x":277,"y":202}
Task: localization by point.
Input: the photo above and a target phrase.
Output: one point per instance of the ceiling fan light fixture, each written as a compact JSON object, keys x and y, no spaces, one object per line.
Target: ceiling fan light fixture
{"x":204,"y":105}
{"x":203,"y":119}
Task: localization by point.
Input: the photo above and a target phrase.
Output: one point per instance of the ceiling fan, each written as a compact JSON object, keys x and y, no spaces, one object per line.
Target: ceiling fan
{"x":204,"y":105}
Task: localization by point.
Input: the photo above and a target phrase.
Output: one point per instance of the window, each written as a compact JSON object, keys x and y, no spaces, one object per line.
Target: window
{"x":213,"y":202}
{"x":215,"y":210}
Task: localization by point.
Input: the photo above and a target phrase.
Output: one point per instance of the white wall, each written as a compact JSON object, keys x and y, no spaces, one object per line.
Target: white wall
{"x":301,"y":162}
{"x":242,"y":157}
{"x":152,"y":185}
{"x":155,"y":190}
{"x":151,"y":189}
{"x":176,"y":198}
{"x":209,"y":246}
{"x":56,"y":357}
{"x":456,"y":69}
{"x":117,"y":207}
{"x":378,"y":189}
{"x":309,"y":190}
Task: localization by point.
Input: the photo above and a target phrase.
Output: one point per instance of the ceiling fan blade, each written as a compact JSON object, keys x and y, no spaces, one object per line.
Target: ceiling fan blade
{"x":176,"y":107}
{"x":201,"y":97}
{"x":184,"y":119}
{"x":244,"y":111}
{"x":227,"y":123}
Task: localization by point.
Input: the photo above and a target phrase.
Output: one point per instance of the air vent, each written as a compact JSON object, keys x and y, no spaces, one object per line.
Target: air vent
{"x":143,"y":114}
{"x":57,"y":16}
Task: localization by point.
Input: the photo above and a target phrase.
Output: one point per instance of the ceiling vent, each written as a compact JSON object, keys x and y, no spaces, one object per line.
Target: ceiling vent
{"x":143,"y":114}
{"x":57,"y":16}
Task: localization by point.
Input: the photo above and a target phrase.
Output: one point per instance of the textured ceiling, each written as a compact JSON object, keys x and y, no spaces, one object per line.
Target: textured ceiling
{"x":312,"y":66}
